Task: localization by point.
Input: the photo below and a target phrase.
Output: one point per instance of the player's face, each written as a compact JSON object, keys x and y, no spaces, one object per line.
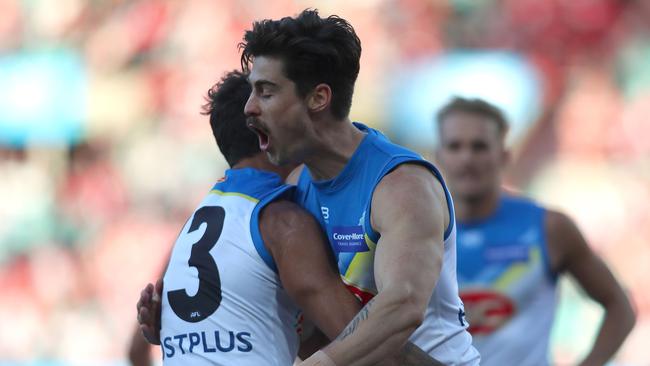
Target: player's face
{"x":472,"y":155}
{"x":276,"y":113}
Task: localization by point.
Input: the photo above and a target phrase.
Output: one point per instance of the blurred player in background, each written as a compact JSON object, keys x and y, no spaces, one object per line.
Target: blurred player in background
{"x":511,"y":250}
{"x":386,"y":211}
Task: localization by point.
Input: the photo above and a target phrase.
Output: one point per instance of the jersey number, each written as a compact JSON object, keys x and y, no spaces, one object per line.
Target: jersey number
{"x":208,"y":298}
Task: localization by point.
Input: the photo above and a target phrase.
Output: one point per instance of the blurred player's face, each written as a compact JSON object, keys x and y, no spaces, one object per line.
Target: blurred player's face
{"x":276,"y":113}
{"x":472,"y":155}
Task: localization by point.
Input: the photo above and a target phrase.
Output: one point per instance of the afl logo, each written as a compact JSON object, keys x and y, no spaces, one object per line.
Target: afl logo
{"x":486,"y":310}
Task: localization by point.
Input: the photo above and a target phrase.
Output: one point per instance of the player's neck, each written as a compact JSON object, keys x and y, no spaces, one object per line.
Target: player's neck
{"x":477,"y":209}
{"x":334,"y":145}
{"x":261,"y":162}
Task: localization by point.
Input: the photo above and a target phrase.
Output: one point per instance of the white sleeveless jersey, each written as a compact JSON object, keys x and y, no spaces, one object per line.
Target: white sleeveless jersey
{"x":507,"y":283}
{"x":441,"y":336}
{"x":222,"y":302}
{"x":343,"y":205}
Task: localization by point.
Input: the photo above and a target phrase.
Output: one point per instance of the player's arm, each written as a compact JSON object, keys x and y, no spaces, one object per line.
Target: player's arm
{"x":139,"y":349}
{"x":305,"y":266}
{"x":570,"y":253}
{"x":309,"y":274}
{"x":409,"y":210}
{"x":312,"y":342}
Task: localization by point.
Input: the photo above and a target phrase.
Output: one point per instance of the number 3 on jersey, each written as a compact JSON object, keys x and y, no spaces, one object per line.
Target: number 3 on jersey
{"x":207,"y":299}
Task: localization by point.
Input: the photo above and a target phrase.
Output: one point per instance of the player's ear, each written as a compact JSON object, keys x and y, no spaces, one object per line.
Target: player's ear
{"x":320,"y":98}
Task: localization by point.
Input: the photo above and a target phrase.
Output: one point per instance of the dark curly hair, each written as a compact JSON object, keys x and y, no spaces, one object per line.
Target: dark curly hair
{"x":314,"y":50}
{"x":225,"y":106}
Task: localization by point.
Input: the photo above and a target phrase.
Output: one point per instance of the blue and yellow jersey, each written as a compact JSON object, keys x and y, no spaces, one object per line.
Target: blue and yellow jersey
{"x":507,"y":284}
{"x":343,"y":207}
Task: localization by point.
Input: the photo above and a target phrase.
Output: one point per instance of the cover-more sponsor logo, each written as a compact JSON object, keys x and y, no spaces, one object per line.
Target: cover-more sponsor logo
{"x":348,"y":239}
{"x":353,"y":236}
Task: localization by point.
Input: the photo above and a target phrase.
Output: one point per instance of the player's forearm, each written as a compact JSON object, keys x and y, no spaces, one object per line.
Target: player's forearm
{"x":309,"y":346}
{"x":410,"y":355}
{"x":139,"y":350}
{"x":617,"y":324}
{"x":140,"y":357}
{"x":379,"y":331}
{"x":317,"y":307}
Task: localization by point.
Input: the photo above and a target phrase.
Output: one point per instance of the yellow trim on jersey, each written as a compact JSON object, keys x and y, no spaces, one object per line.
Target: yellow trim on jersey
{"x":369,"y":241}
{"x":358,"y":258}
{"x":517,"y":270}
{"x":354,"y":275}
{"x":237,"y":194}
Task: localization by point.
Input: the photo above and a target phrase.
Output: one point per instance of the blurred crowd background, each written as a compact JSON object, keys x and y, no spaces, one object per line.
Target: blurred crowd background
{"x":104,"y":152}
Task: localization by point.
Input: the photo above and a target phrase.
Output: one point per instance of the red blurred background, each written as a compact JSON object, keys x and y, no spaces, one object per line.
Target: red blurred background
{"x":103,"y":151}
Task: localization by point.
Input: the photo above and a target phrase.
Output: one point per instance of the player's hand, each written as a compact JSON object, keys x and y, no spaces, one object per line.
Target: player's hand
{"x":149,"y":312}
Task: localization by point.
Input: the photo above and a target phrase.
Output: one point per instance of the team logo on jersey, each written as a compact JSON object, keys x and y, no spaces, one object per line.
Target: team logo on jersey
{"x":325,"y":212}
{"x":349,"y":239}
{"x":486,"y":310}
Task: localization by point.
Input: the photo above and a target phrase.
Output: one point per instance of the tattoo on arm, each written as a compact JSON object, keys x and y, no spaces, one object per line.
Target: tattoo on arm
{"x":354,"y":323}
{"x":410,"y":355}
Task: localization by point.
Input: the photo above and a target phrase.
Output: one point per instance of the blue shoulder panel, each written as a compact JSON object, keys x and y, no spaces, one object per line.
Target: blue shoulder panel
{"x":258,"y":186}
{"x":248,"y":182}
{"x":392,"y":165}
{"x":283,"y":191}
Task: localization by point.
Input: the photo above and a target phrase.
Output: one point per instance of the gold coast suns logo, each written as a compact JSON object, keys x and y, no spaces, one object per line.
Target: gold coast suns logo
{"x":486,"y":310}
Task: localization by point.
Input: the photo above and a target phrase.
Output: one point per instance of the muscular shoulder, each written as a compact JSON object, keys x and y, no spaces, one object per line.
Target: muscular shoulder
{"x":408,"y":173}
{"x":563,"y":239}
{"x":409,"y":186}
{"x":557,"y":221}
{"x":283,"y":219}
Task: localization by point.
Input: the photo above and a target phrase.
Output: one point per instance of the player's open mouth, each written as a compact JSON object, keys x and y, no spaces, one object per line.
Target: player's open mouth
{"x":262,"y":136}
